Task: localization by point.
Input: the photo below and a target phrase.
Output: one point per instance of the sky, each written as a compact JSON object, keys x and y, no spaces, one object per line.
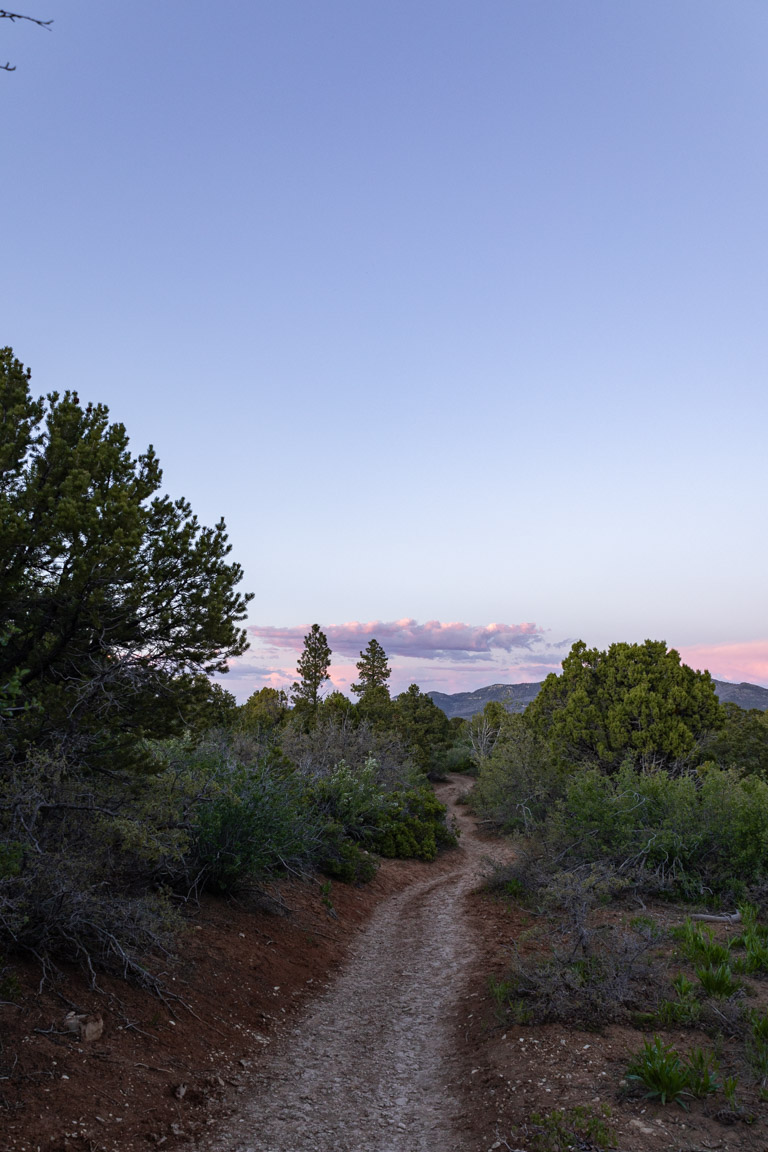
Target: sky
{"x":455,"y":312}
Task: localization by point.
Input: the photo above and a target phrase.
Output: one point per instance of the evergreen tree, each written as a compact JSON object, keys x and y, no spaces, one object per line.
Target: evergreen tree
{"x":424,"y":727}
{"x":635,"y":699}
{"x":312,"y":667}
{"x":264,"y":711}
{"x":373,"y":669}
{"x":116,"y":605}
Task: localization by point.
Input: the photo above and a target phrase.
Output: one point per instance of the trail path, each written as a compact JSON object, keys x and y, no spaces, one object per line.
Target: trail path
{"x":368,"y":1068}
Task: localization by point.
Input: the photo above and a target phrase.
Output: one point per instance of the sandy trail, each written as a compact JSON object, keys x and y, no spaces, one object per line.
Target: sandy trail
{"x":368,"y":1068}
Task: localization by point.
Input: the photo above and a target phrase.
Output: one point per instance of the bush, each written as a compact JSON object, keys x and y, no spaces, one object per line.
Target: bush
{"x":518,"y":782}
{"x":522,"y":878}
{"x":707,"y":830}
{"x":344,"y":860}
{"x":317,"y":752}
{"x":351,"y":797}
{"x":260,"y":825}
{"x":586,"y":976}
{"x":412,"y":824}
{"x":86,"y":864}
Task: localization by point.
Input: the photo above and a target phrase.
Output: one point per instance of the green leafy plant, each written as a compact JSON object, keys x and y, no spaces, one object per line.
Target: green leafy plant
{"x":685,"y":1008}
{"x":509,"y":1008}
{"x":660,"y":1070}
{"x":702,"y":1073}
{"x":730,"y":1084}
{"x":717,"y":980}
{"x":700,"y":946}
{"x":669,"y":1077}
{"x":567,"y":1128}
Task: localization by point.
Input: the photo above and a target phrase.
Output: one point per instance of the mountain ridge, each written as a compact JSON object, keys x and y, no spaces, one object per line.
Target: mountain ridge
{"x":517,"y":697}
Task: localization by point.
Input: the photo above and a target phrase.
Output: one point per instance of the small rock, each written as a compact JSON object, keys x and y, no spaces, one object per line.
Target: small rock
{"x":85,"y":1025}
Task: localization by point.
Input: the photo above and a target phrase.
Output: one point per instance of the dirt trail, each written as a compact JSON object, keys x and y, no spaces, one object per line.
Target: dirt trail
{"x":368,"y":1068}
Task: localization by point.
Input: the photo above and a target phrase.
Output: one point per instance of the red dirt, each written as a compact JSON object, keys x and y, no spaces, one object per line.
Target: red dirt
{"x":159,"y":1075}
{"x":516,"y":1070}
{"x":163,"y":1076}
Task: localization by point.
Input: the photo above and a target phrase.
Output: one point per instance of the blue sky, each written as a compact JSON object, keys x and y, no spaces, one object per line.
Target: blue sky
{"x":455,"y":312}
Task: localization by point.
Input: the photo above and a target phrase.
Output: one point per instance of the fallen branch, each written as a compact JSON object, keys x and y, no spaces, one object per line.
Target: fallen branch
{"x":727,"y":918}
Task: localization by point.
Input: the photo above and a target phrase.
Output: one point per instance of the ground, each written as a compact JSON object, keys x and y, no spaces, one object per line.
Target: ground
{"x":263,"y":987}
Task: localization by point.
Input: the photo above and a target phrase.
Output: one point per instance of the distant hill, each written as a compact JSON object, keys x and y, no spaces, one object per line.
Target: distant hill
{"x":745,"y":695}
{"x":516,"y":697}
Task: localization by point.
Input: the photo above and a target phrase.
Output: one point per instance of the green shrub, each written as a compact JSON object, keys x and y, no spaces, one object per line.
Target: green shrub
{"x":734,"y":812}
{"x":411,"y":823}
{"x":518,"y":783}
{"x":637,"y":821}
{"x":344,"y":860}
{"x":407,"y":822}
{"x":351,"y":797}
{"x":98,"y":852}
{"x":689,"y":833}
{"x":259,"y":824}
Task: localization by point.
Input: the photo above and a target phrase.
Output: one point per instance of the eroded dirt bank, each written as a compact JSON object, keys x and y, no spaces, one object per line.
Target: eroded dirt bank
{"x":371,"y":1067}
{"x":162,"y":1072}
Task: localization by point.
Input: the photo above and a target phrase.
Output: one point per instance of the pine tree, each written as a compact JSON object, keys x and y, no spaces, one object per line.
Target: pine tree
{"x":312,"y":667}
{"x":373,"y":669}
{"x":115,"y":603}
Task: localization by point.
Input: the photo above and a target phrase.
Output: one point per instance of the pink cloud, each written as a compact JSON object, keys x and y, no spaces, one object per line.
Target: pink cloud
{"x":431,"y":641}
{"x":737,"y":662}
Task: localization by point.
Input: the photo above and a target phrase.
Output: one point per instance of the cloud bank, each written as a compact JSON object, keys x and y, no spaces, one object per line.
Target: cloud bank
{"x":434,"y":640}
{"x":452,"y":657}
{"x":738,"y":662}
